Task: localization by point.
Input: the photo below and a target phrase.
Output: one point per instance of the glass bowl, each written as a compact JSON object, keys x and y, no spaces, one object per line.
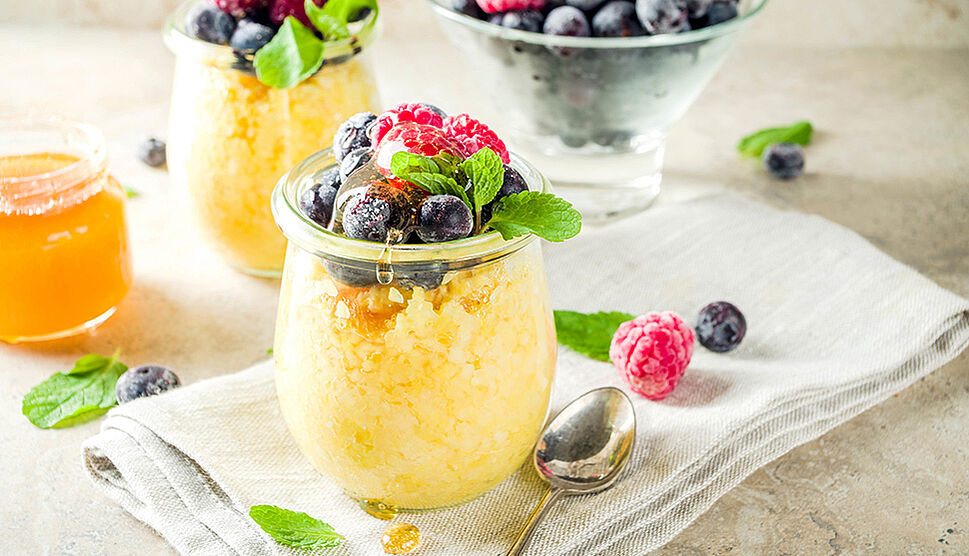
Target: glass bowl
{"x":593,"y":113}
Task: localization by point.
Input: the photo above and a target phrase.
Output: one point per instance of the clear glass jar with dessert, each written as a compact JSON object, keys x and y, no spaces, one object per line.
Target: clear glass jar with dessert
{"x":64,"y":258}
{"x":413,"y":364}
{"x":231,"y":135}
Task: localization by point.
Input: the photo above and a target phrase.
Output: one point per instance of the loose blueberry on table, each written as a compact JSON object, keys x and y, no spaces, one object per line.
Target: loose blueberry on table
{"x":143,"y":381}
{"x":599,"y":18}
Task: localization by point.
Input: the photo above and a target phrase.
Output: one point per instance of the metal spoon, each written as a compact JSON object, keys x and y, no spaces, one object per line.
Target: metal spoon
{"x":583,"y":450}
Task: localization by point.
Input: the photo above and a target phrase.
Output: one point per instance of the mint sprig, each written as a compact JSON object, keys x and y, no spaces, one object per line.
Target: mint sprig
{"x":543,"y":214}
{"x":294,"y":529}
{"x":755,"y":143}
{"x":589,"y":334}
{"x":486,"y":172}
{"x":437,"y":176}
{"x":330,"y":26}
{"x":76,"y":395}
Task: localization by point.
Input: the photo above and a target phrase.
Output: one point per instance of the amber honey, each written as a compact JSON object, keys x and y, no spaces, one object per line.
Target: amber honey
{"x":64,"y":258}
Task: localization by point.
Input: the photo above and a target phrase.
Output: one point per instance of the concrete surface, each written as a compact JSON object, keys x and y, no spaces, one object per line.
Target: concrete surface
{"x":889,"y":162}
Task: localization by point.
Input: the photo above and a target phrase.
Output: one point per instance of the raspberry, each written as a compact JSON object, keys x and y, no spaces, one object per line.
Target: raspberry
{"x":406,"y":112}
{"x":282,"y":8}
{"x":239,"y":8}
{"x":474,"y":135}
{"x":495,"y":6}
{"x":414,"y":138}
{"x":653,"y":351}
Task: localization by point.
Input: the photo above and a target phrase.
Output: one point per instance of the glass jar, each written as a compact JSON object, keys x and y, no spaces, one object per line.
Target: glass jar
{"x":64,"y":258}
{"x":416,"y":376}
{"x":231,"y":137}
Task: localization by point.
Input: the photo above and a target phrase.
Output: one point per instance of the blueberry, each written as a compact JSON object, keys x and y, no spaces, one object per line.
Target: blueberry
{"x":207,"y":22}
{"x":523,"y":20}
{"x":354,"y":160}
{"x":317,"y":201}
{"x":354,"y":133}
{"x":144,"y":381}
{"x":662,"y":16}
{"x":352,"y":276}
{"x":784,"y":160}
{"x":513,"y":183}
{"x":434,"y":109}
{"x":585,"y":5}
{"x":466,"y":7}
{"x":721,"y":11}
{"x":617,"y":19}
{"x":427,"y":280}
{"x":720,"y":326}
{"x":250,"y":35}
{"x":152,"y":152}
{"x":697,"y":9}
{"x":374,"y":213}
{"x":567,"y":21}
{"x":443,"y":218}
{"x":551,"y":5}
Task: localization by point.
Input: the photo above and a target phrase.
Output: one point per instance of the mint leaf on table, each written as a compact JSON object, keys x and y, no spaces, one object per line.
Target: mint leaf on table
{"x":294,"y":529}
{"x":543,"y":214}
{"x":755,"y":143}
{"x":291,"y":56}
{"x":589,"y":334}
{"x":486,"y":172}
{"x":76,"y":395}
{"x":131,"y":191}
{"x":332,"y":28}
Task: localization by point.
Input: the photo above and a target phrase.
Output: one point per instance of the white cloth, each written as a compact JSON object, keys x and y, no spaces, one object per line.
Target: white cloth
{"x":834,"y":327}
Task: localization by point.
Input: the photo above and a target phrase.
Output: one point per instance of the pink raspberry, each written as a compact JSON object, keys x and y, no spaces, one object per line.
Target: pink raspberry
{"x":282,"y":8}
{"x":474,"y":135}
{"x":653,"y":351}
{"x":405,"y":112}
{"x":239,"y":8}
{"x":495,"y":6}
{"x":422,"y":139}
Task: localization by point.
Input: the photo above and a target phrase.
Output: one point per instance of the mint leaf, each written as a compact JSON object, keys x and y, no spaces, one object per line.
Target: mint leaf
{"x":447,"y":162}
{"x":332,"y":28}
{"x":755,"y":143}
{"x":403,"y":163}
{"x":543,"y":214}
{"x":131,"y":191}
{"x":294,"y":529}
{"x":486,"y":172}
{"x":345,"y":10}
{"x":589,"y":334}
{"x":435,"y":184}
{"x":75,"y":396}
{"x":291,"y":56}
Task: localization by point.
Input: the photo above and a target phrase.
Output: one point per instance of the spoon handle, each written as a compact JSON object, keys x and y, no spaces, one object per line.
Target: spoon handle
{"x":525,"y":534}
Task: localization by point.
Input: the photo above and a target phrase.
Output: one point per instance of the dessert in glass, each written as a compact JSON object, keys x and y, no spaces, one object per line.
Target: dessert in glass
{"x":415,"y":346}
{"x":231,"y":136}
{"x":64,"y":258}
{"x":589,"y":97}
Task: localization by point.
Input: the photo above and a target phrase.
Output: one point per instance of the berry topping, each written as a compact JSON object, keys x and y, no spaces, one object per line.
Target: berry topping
{"x":317,"y":201}
{"x":784,"y":160}
{"x":282,"y":8}
{"x":720,"y":326}
{"x":353,"y":161}
{"x":466,"y":7}
{"x":513,"y":183}
{"x":585,"y":5}
{"x":443,"y":218}
{"x":416,"y":112}
{"x":662,"y":16}
{"x":144,"y":381}
{"x":696,"y":9}
{"x":208,"y":23}
{"x":567,"y":21}
{"x":352,"y":276}
{"x":473,"y":136}
{"x":239,"y":8}
{"x":354,"y":133}
{"x":720,"y":12}
{"x":152,"y":152}
{"x":523,"y":20}
{"x":250,"y":35}
{"x":495,"y":6}
{"x":617,"y":19}
{"x":414,"y":138}
{"x":653,"y":351}
{"x":373,"y":214}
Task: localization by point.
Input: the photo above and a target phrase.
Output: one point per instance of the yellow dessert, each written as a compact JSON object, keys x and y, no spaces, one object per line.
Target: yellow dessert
{"x":416,"y":398}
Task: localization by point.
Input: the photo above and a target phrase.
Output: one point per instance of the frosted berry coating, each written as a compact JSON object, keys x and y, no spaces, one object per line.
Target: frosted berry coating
{"x":653,"y":351}
{"x":495,"y":6}
{"x":406,"y":112}
{"x":414,"y":138}
{"x":474,"y":135}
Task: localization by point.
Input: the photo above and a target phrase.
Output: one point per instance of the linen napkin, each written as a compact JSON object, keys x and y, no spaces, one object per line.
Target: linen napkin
{"x":834,"y":327}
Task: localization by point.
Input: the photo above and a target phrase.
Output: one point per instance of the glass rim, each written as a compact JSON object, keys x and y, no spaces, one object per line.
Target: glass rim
{"x":316,"y":239}
{"x":646,"y":41}
{"x":180,"y":42}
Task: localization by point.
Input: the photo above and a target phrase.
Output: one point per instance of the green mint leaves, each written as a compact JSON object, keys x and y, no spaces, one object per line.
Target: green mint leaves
{"x":543,"y":214}
{"x":755,"y":143}
{"x":296,"y":52}
{"x":294,"y":529}
{"x":589,"y":334}
{"x":77,"y":395}
{"x":131,"y":192}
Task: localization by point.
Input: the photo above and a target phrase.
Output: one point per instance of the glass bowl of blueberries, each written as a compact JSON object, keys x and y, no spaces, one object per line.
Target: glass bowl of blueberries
{"x":590,"y":88}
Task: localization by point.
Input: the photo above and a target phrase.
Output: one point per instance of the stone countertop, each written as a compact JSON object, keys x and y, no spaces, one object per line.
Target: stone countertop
{"x":889,"y":161}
